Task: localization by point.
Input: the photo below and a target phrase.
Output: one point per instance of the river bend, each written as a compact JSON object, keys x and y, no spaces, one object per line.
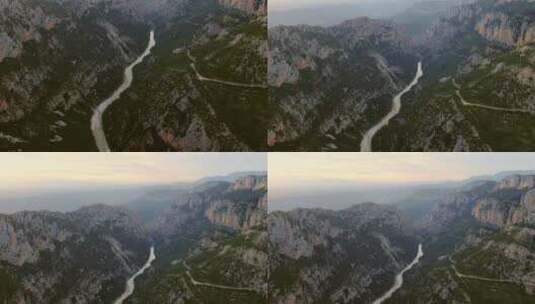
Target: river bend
{"x":366,"y":143}
{"x":399,"y":277}
{"x":96,"y":121}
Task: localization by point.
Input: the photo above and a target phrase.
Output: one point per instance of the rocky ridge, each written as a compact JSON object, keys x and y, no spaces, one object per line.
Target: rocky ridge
{"x":315,"y":78}
{"x":318,"y":256}
{"x":44,"y":249}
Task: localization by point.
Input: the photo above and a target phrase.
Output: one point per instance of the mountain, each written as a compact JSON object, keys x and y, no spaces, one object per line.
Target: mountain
{"x":54,"y":57}
{"x":347,"y":256}
{"x":214,"y":235}
{"x":145,"y":200}
{"x":422,"y":14}
{"x":249,"y":6}
{"x":477,"y":242}
{"x":475,"y":93}
{"x":61,"y":59}
{"x":155,"y":200}
{"x":205,"y":89}
{"x":475,"y":96}
{"x":479,"y":247}
{"x":86,"y":255}
{"x":333,"y":13}
{"x":316,"y":81}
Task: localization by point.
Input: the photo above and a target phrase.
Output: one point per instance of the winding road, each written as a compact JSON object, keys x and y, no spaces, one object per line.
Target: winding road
{"x":130,"y":286}
{"x":96,"y":120}
{"x":229,"y":83}
{"x":474,"y":277}
{"x":197,"y":283}
{"x":399,"y":277}
{"x":366,"y":143}
{"x":477,"y":105}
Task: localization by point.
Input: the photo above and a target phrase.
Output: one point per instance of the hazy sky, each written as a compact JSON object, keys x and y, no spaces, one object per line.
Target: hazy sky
{"x":313,"y":171}
{"x":27,"y":171}
{"x":293,"y":4}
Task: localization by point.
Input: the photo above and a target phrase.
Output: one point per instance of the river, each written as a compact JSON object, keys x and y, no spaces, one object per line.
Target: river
{"x":366,"y":143}
{"x":130,"y":286}
{"x":399,"y":277}
{"x":96,"y":120}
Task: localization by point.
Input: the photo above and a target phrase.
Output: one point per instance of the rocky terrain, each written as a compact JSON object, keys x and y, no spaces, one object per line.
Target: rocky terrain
{"x":476,"y":93}
{"x":316,"y":81}
{"x":347,"y":256}
{"x":204,"y":89}
{"x":83,"y":256}
{"x":213,"y":245}
{"x":477,"y":242}
{"x":213,"y":233}
{"x":479,"y":246}
{"x":60,"y":59}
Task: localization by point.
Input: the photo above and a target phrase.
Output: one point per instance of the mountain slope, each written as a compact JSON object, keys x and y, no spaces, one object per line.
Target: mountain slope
{"x":348,"y":256}
{"x":479,"y":249}
{"x":203,"y":90}
{"x":212,"y":244}
{"x":210,"y":235}
{"x":476,"y":93}
{"x":316,"y":81}
{"x":84,"y":255}
{"x":61,"y":59}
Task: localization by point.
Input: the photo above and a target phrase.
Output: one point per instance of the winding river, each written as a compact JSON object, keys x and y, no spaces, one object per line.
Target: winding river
{"x":366,"y":143}
{"x":130,"y":286}
{"x":399,"y":278}
{"x":96,"y":120}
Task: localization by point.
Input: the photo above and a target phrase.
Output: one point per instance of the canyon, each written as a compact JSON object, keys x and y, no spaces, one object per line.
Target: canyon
{"x":478,"y":58}
{"x":118,"y":254}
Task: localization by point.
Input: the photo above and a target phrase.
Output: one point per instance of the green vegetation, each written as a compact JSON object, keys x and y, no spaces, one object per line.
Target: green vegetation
{"x":9,"y":284}
{"x":168,"y":108}
{"x":218,"y":265}
{"x":66,"y":71}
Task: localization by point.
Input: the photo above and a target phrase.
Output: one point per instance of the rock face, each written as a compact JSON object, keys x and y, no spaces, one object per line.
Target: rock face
{"x":181,"y":112}
{"x":251,"y":182}
{"x":510,"y":202}
{"x":218,"y":227}
{"x":458,"y":204}
{"x":230,"y":214}
{"x":346,"y":257}
{"x":509,"y":23}
{"x":60,"y":58}
{"x":324,"y":103}
{"x":250,"y":6}
{"x":46,"y":251}
{"x":240,"y":206}
{"x":503,"y":29}
{"x":33,"y":233}
{"x":504,"y":203}
{"x":482,"y":230}
{"x":223,"y":225}
{"x":518,"y":182}
{"x":315,"y":78}
{"x":73,"y":45}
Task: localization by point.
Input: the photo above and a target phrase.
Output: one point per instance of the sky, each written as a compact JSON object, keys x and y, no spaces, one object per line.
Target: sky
{"x":295,"y":174}
{"x":331,"y":12}
{"x":27,"y":172}
{"x":278,"y":5}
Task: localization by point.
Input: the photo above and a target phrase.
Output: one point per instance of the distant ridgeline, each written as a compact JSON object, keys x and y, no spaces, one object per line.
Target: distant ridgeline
{"x":216,"y":230}
{"x":477,"y":243}
{"x":476,"y":94}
